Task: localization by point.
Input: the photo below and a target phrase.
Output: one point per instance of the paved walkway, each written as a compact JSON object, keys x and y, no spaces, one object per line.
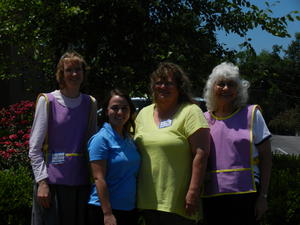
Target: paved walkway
{"x":285,"y":144}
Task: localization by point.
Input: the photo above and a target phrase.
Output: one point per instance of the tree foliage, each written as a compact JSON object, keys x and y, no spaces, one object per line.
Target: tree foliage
{"x":274,"y":81}
{"x":123,"y":40}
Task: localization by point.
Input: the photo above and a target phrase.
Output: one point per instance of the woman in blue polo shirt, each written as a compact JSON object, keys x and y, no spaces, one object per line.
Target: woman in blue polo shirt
{"x":115,"y":162}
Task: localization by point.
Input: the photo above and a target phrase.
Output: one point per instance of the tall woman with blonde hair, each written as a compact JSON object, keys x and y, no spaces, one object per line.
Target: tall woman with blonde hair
{"x":64,"y":120}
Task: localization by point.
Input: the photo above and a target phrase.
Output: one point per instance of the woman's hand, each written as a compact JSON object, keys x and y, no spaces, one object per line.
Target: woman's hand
{"x":192,"y":202}
{"x":261,"y":206}
{"x":43,"y":194}
{"x":109,"y":219}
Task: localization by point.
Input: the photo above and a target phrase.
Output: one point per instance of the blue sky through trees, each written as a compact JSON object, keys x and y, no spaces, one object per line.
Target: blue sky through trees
{"x":261,"y":40}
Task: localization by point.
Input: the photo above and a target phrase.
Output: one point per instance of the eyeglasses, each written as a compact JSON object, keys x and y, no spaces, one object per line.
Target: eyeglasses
{"x":166,"y":83}
{"x":229,"y":84}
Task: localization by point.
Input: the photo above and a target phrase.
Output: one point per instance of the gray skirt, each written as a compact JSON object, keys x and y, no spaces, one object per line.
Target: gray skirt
{"x":68,"y":206}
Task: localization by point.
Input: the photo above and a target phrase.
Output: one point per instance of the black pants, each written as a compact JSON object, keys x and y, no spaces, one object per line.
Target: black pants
{"x":95,"y":216}
{"x":236,"y":209}
{"x":155,"y":217}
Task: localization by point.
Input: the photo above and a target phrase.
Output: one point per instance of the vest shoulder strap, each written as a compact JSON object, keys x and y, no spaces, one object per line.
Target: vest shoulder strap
{"x":45,"y":144}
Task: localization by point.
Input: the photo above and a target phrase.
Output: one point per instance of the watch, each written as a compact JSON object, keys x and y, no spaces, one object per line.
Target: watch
{"x":264,"y":195}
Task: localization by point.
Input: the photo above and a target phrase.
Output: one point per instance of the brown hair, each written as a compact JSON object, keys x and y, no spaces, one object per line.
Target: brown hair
{"x":129,"y":125}
{"x":182,"y":81}
{"x":72,"y":56}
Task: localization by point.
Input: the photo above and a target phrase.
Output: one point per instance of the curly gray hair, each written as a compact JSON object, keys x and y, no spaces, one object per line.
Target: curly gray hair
{"x":228,"y":71}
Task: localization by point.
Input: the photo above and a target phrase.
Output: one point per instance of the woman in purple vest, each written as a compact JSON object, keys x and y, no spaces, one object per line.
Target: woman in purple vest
{"x":240,"y":160}
{"x":64,"y":120}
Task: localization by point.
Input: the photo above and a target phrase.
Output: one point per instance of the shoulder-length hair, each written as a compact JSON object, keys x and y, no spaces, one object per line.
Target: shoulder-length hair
{"x":228,"y":71}
{"x":129,"y":125}
{"x":71,"y":56}
{"x":181,"y":79}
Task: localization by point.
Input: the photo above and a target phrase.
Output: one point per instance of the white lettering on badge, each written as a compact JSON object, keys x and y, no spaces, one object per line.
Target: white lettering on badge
{"x":58,"y":158}
{"x":165,"y":123}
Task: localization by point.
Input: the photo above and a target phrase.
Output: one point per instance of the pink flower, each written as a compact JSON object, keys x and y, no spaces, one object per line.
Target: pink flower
{"x":13,"y":136}
{"x":5,"y":155}
{"x":7,"y":142}
{"x":26,"y":137}
{"x":20,"y":132}
{"x":18,"y":144}
{"x":24,"y":122}
{"x":12,"y":150}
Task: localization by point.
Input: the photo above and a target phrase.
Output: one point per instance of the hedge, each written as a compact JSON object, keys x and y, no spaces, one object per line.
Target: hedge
{"x":284,"y":193}
{"x":15,"y":196}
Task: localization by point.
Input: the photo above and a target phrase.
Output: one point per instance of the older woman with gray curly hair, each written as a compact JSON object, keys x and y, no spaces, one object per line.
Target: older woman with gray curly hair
{"x":240,"y":160}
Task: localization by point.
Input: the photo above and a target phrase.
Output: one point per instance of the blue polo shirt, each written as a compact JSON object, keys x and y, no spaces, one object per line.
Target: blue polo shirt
{"x":123,"y":162}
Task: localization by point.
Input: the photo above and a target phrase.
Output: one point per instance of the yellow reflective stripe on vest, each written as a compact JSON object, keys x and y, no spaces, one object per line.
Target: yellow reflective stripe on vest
{"x":256,"y":161}
{"x":229,"y":170}
{"x":45,"y":143}
{"x":252,"y":161}
{"x":73,"y":154}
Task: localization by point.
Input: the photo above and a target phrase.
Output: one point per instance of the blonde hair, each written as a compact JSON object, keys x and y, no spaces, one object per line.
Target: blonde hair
{"x":71,"y":56}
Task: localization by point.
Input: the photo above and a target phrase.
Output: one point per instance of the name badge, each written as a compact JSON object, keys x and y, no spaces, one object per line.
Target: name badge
{"x":58,"y":158}
{"x":165,"y":123}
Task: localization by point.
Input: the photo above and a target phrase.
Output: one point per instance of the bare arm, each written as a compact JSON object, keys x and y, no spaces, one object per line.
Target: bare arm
{"x":199,"y":142}
{"x":99,"y":172}
{"x":265,"y":165}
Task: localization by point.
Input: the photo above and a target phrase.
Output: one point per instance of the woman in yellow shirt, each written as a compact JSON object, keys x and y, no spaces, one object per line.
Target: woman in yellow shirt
{"x":173,"y":138}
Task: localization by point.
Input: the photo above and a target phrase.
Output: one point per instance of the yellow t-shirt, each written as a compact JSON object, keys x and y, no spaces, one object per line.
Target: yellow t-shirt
{"x":166,"y":158}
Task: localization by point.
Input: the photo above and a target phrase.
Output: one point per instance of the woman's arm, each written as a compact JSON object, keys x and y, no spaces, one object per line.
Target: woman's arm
{"x":99,"y":172}
{"x":265,"y":165}
{"x":92,"y":123}
{"x":37,"y":137}
{"x":199,"y":143}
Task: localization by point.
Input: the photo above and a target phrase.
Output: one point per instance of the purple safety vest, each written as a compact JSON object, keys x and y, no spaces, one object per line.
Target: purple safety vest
{"x":230,"y":164}
{"x":66,"y":157}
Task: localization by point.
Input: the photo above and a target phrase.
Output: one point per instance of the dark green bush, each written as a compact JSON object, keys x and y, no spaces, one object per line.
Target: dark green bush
{"x":286,"y":123}
{"x":284,"y":192}
{"x":15,"y":196}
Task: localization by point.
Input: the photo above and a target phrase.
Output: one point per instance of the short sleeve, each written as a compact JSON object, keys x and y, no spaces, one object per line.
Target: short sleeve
{"x":137,"y":121}
{"x":97,"y":148}
{"x":194,"y":120}
{"x":260,"y":129}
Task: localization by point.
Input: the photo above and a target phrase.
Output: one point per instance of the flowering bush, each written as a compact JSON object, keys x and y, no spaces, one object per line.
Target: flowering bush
{"x":15,"y":124}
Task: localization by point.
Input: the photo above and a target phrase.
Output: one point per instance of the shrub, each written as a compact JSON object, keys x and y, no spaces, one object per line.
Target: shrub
{"x":286,"y":123}
{"x":284,"y":195}
{"x":15,"y":196}
{"x":15,"y":127}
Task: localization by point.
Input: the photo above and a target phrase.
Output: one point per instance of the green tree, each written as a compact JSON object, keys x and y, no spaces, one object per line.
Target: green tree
{"x":274,"y":79}
{"x":123,"y":40}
